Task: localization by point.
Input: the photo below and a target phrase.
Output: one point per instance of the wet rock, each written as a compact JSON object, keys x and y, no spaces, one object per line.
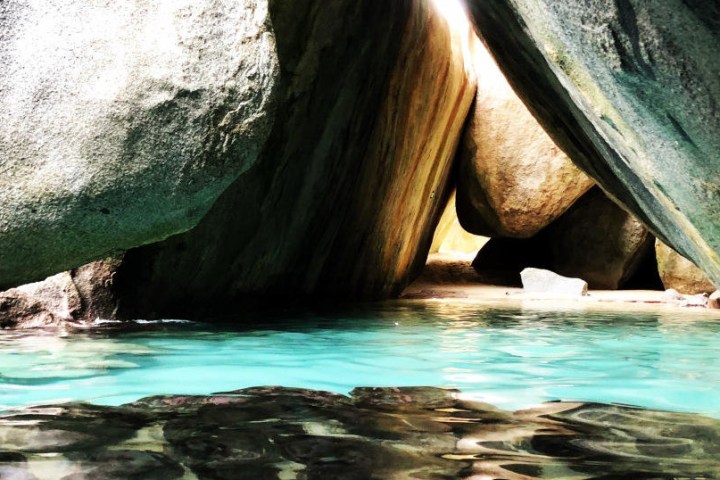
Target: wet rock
{"x":66,"y":428}
{"x":124,"y":464}
{"x":122,"y":123}
{"x":545,"y":282}
{"x":628,"y":89}
{"x":679,"y":273}
{"x":406,"y":432}
{"x":513,"y":180}
{"x":344,"y":201}
{"x":406,"y":397}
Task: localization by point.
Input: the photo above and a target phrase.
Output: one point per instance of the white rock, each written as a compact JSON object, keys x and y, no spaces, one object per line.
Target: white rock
{"x":536,"y":280}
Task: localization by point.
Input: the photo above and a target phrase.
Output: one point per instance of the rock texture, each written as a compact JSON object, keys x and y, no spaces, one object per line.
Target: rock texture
{"x":82,"y":294}
{"x":513,"y":180}
{"x":346,"y":196}
{"x":595,"y":240}
{"x":629,"y":89}
{"x":121,"y":123}
{"x":599,"y":242}
{"x":679,"y":273}
{"x":388,"y":433}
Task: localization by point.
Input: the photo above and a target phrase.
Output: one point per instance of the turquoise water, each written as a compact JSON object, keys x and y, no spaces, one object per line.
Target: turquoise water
{"x":510,"y":358}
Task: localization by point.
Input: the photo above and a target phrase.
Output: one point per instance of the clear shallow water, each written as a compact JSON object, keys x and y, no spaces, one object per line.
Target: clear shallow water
{"x":509,"y":358}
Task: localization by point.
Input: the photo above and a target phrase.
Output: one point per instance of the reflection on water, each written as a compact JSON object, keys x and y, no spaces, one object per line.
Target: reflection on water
{"x":377,"y":433}
{"x":513,"y":358}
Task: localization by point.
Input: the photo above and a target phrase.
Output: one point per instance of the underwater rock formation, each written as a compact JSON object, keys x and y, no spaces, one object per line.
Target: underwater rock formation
{"x":595,"y":240}
{"x":354,"y":177}
{"x":512,"y":180}
{"x":629,"y":89}
{"x":121,"y":123}
{"x":409,"y":432}
{"x":679,"y":273}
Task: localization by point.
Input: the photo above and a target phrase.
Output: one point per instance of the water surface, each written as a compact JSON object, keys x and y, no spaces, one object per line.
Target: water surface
{"x":512,"y":358}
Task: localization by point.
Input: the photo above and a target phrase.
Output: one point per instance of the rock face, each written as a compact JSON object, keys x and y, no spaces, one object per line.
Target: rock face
{"x":345,"y":198}
{"x":389,"y":433}
{"x":679,"y":273}
{"x":595,"y":240}
{"x":513,"y":180}
{"x":121,"y":123}
{"x":629,"y":89}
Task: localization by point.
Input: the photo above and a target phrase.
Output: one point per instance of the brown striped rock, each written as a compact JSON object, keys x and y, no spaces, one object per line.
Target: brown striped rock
{"x":346,"y":196}
{"x":513,"y":179}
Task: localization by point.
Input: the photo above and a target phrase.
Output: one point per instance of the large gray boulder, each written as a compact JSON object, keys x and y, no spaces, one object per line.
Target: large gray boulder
{"x":347,"y":194}
{"x":122,"y":122}
{"x":629,"y":89}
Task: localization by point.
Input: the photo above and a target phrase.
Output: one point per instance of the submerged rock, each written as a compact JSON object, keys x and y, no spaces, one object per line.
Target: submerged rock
{"x":406,"y":432}
{"x":679,"y":273}
{"x":346,"y":196}
{"x":629,"y":89}
{"x":536,"y":280}
{"x":121,"y":123}
{"x":513,"y":180}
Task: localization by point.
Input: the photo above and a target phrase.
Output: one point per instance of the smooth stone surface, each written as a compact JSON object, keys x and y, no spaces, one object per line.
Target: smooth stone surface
{"x":513,"y":180}
{"x":345,"y":199}
{"x":679,"y":273}
{"x":536,"y":280}
{"x":122,"y":122}
{"x":629,"y":89}
{"x":410,"y":432}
